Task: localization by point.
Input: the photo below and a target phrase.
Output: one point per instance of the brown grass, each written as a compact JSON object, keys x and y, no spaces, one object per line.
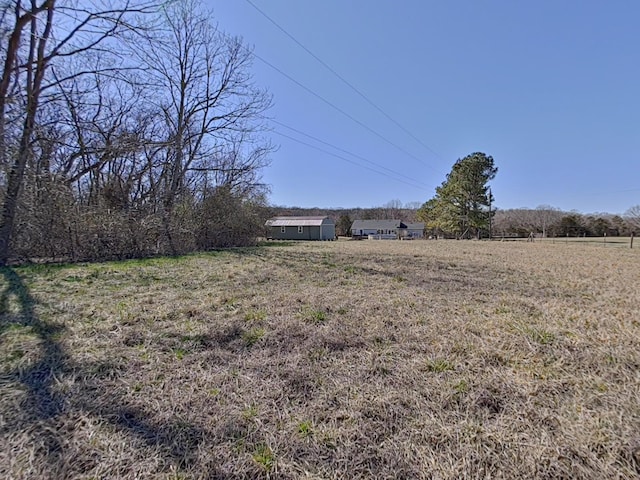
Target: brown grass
{"x":420,"y":359}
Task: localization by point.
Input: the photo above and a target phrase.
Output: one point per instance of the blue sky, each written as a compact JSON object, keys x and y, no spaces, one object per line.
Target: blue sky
{"x":550,"y":89}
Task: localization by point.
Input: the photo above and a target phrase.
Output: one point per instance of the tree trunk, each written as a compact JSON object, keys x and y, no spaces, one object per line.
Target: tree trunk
{"x":35,"y":68}
{"x":16,"y":176}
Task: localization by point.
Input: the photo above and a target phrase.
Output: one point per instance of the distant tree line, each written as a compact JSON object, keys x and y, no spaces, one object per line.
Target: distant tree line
{"x":547,"y":221}
{"x":127,"y":129}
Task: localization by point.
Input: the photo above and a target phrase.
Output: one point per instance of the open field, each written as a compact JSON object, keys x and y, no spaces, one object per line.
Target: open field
{"x":386,"y":359}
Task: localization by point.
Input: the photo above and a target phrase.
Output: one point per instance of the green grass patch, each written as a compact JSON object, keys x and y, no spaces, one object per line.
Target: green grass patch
{"x":180,"y":352}
{"x":536,"y":334}
{"x":254,"y":316}
{"x":305,"y":429}
{"x":461,"y":386}
{"x":315,"y":315}
{"x":250,"y":412}
{"x":264,"y":457}
{"x":253,"y":336}
{"x":439,"y":365}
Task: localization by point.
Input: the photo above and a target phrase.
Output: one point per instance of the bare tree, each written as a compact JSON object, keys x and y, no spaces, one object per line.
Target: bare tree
{"x":524,"y":221}
{"x":544,"y":217}
{"x":209,"y":107}
{"x":35,"y":43}
{"x":415,"y":205}
{"x":33,"y":72}
{"x":111,"y":119}
{"x":632,"y":216}
{"x":393,"y":209}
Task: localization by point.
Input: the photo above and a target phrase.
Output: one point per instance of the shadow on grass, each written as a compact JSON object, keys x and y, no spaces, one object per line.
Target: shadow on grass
{"x":44,"y":417}
{"x":42,"y":402}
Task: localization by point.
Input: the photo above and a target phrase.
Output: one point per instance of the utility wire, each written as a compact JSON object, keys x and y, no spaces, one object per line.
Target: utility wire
{"x":610,"y":192}
{"x":341,"y":78}
{"x":414,"y":184}
{"x":424,"y":185}
{"x":335,"y":107}
{"x":348,"y":160}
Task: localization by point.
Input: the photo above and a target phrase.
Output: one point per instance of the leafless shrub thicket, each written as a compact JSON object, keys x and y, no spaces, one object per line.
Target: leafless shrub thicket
{"x":127,"y":128}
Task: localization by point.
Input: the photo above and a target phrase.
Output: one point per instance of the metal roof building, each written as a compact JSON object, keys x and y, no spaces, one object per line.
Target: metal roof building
{"x":301,"y":228}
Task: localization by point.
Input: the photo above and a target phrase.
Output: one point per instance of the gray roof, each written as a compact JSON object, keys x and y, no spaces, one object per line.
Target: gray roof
{"x":415,"y":226}
{"x":376,"y":224}
{"x":384,"y":225}
{"x":298,"y":221}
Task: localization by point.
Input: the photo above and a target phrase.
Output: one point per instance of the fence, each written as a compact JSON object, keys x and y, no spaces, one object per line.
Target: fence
{"x":604,"y":241}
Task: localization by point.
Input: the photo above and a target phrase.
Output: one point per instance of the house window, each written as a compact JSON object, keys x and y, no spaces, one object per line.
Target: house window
{"x":300,"y":228}
{"x":283,"y":229}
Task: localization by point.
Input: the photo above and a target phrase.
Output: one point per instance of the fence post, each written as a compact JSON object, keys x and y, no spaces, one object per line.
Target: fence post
{"x":631,"y":243}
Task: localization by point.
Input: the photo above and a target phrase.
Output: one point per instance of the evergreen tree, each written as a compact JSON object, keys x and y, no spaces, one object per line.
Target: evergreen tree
{"x":343,"y":227}
{"x":461,"y":204}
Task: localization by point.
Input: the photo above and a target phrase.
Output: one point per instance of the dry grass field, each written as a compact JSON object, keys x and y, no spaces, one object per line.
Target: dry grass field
{"x":423,"y":359}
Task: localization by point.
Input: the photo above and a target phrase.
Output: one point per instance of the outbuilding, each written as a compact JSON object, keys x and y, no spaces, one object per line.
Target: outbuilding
{"x":301,"y":228}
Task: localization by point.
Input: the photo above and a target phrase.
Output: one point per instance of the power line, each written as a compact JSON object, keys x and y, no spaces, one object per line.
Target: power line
{"x":335,"y":107}
{"x":610,"y":192}
{"x":320,"y":97}
{"x":341,"y":78}
{"x":347,"y":160}
{"x":424,"y":185}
